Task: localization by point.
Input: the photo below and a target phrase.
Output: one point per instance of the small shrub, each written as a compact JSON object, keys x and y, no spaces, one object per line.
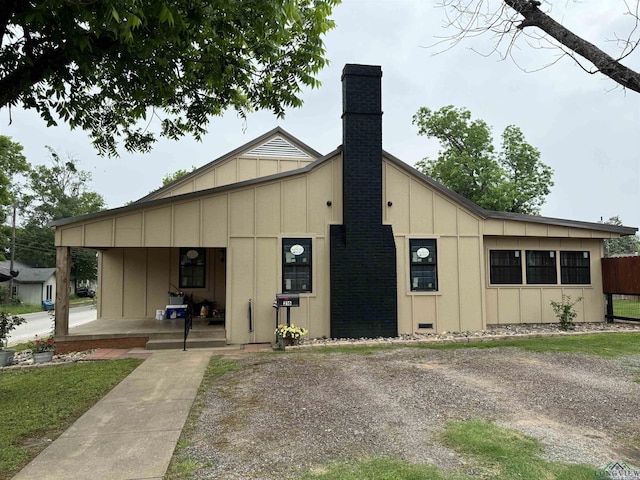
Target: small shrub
{"x":565,"y":312}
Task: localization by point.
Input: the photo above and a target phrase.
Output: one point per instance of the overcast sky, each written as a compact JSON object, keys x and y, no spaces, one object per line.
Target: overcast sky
{"x":587,"y":130}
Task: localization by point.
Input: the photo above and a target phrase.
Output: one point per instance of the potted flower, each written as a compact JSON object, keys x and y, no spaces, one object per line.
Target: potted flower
{"x":7,"y":324}
{"x":289,"y":335}
{"x":42,"y":349}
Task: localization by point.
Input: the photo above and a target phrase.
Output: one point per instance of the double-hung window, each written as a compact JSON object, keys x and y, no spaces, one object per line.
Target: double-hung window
{"x":423,"y":265}
{"x":505,"y":267}
{"x":296,"y":265}
{"x":541,"y":267}
{"x":575,"y":268}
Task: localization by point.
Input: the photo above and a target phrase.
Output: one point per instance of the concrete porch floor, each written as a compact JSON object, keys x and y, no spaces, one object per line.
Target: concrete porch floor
{"x":148,"y":327}
{"x":142,"y":333}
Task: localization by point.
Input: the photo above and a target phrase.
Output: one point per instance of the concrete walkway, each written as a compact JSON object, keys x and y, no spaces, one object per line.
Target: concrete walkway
{"x":130,"y":433}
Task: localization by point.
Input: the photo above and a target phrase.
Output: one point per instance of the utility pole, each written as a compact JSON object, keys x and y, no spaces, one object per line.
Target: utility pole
{"x":13,"y":251}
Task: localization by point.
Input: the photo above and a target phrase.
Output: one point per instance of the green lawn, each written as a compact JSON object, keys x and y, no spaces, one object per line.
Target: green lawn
{"x":22,"y":308}
{"x":490,"y":452}
{"x":601,"y":344}
{"x":626,"y":308}
{"x":40,"y":403}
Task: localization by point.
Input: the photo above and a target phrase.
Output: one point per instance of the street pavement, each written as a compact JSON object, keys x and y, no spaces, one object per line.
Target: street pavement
{"x":41,"y":323}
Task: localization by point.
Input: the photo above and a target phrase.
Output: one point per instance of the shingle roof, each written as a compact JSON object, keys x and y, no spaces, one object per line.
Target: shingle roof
{"x":28,"y":274}
{"x":481,"y":212}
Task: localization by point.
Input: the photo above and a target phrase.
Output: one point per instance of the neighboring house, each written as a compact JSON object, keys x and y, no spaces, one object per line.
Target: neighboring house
{"x":32,"y":285}
{"x":372,"y":246}
{"x":5,"y":273}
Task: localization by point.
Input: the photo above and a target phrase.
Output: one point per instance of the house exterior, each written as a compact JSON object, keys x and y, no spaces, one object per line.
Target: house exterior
{"x":372,"y":246}
{"x":32,"y":285}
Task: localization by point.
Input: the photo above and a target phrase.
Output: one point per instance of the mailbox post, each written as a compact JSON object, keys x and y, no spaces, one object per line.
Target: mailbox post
{"x":287,"y":300}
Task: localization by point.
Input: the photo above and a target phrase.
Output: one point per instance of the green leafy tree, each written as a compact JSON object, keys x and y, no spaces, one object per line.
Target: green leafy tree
{"x":111,"y":67}
{"x":12,"y":164}
{"x":54,"y":192}
{"x":172,"y":177}
{"x":623,"y":245}
{"x":59,"y":191}
{"x":512,"y":180}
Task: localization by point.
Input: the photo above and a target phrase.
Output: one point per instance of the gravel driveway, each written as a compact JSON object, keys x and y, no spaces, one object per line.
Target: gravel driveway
{"x":282,"y":414}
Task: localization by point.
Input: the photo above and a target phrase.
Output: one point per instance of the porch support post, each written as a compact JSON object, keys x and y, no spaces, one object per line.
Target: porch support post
{"x":63,"y":274}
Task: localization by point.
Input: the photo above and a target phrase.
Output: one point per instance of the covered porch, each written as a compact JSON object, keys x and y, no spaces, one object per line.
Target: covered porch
{"x":133,"y":284}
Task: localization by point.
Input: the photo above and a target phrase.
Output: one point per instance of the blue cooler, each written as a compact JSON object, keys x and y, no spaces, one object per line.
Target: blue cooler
{"x":175,"y":311}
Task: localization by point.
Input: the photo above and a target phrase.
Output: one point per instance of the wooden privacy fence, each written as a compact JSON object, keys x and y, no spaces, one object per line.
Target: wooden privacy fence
{"x":621,"y":285}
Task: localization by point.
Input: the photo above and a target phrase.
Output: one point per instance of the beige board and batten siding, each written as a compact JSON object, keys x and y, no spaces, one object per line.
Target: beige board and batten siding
{"x":273,"y":155}
{"x":292,"y":207}
{"x":418,"y":211}
{"x":140,"y":248}
{"x":509,"y":304}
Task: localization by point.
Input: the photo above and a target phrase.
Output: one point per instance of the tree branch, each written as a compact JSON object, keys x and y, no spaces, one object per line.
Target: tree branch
{"x":607,"y":65}
{"x":27,"y":75}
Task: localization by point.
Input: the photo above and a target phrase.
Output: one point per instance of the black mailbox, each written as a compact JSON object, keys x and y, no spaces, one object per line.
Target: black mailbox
{"x":287,"y":299}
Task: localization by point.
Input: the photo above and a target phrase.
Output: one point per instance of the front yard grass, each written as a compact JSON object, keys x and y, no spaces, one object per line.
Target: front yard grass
{"x":608,"y":345}
{"x":489,"y":452}
{"x":38,"y":404}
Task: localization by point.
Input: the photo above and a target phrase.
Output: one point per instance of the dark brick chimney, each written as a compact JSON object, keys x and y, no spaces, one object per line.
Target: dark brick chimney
{"x":363,"y":252}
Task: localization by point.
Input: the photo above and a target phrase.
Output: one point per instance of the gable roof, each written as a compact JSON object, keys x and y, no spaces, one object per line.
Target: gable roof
{"x":437,"y":186}
{"x":283,"y":145}
{"x":29,"y":274}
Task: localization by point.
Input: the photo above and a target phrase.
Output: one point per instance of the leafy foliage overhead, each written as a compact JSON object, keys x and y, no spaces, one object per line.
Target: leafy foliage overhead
{"x":113,"y":67}
{"x":512,"y":180}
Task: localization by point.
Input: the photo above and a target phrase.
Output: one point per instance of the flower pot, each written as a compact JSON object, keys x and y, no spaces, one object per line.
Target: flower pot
{"x":289,"y":341}
{"x":42,"y":357}
{"x":6,"y":357}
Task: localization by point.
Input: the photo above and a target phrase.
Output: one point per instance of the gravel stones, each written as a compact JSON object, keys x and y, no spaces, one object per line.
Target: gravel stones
{"x":280,"y":415}
{"x":24,"y":359}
